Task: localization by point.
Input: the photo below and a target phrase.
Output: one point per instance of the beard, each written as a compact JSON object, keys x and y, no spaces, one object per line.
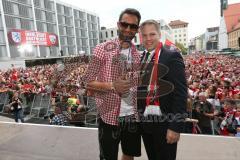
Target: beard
{"x":125,"y":38}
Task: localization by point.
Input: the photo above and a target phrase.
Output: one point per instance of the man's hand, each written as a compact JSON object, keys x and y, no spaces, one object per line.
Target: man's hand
{"x":172,"y":137}
{"x":121,"y":86}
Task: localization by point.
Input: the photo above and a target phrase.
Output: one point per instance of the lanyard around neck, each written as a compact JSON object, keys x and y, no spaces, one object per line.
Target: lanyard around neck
{"x":153,"y":78}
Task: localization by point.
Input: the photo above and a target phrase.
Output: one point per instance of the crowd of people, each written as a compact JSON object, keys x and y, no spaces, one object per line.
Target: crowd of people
{"x":57,"y":80}
{"x":213,"y":87}
{"x":214,"y":93}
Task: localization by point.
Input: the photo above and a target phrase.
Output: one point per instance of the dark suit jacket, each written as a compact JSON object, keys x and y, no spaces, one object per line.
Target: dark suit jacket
{"x":172,"y":90}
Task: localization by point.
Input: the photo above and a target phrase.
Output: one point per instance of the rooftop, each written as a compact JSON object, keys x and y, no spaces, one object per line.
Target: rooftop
{"x":232,"y":16}
{"x":177,"y":23}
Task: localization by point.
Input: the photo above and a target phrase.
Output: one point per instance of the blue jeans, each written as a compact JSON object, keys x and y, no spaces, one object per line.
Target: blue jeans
{"x":18,"y":114}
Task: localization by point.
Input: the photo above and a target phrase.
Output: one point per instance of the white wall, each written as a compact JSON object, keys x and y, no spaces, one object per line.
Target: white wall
{"x":8,"y":64}
{"x":223,"y":37}
{"x":183,"y":32}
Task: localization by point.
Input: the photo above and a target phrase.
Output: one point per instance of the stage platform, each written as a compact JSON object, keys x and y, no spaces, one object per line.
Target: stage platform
{"x":44,"y":142}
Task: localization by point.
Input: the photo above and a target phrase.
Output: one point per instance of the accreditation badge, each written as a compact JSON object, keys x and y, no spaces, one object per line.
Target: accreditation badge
{"x":152,"y":110}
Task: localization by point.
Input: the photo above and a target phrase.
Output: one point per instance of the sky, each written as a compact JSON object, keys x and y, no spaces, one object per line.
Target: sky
{"x":200,"y":14}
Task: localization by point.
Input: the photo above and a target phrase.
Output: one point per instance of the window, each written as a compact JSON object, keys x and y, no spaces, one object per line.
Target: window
{"x":37,"y":3}
{"x":7,"y":6}
{"x":39,"y":26}
{"x":94,"y":34}
{"x":17,"y":23}
{"x":84,"y":42}
{"x":79,"y":42}
{"x":83,"y":33}
{"x":94,"y":27}
{"x":64,"y":30}
{"x":63,"y":20}
{"x":69,"y":31}
{"x":15,"y":9}
{"x":95,"y":42}
{"x":50,"y":28}
{"x":50,"y":17}
{"x":81,"y":15}
{"x":90,"y":35}
{"x":24,"y":11}
{"x":59,"y":8}
{"x":106,"y":34}
{"x":89,"y":26}
{"x":67,"y":10}
{"x":48,"y":4}
{"x":38,"y":14}
{"x":88,"y":17}
{"x":111,"y":33}
{"x":82,"y":24}
{"x":60,"y":19}
{"x":44,"y":27}
{"x":70,"y":41}
{"x":91,"y":42}
{"x":63,"y":40}
{"x":2,"y":37}
{"x":3,"y":51}
{"x":43,"y":15}
{"x":69,"y":21}
{"x":93,"y":18}
{"x":77,"y":23}
{"x":10,"y":23}
{"x":26,"y":24}
{"x":1,"y":24}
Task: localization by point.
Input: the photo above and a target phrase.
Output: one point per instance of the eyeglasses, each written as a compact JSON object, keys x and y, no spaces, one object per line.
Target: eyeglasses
{"x":132,"y":26}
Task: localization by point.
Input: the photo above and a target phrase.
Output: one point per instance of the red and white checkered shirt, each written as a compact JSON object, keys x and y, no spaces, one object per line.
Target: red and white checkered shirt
{"x":105,"y":67}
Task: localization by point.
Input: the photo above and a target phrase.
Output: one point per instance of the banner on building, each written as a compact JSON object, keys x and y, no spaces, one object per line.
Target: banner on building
{"x":19,"y":37}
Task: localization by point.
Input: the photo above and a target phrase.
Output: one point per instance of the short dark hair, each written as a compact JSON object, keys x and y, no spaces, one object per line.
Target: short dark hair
{"x":131,"y":11}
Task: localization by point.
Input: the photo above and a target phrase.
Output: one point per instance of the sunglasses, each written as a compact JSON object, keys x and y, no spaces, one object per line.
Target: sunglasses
{"x":132,"y":26}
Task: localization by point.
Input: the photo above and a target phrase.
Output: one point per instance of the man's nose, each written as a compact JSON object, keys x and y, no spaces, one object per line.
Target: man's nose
{"x":128,"y":28}
{"x":148,"y":38}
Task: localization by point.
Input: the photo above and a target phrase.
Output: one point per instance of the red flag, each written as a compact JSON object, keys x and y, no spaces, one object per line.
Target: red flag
{"x":170,"y":45}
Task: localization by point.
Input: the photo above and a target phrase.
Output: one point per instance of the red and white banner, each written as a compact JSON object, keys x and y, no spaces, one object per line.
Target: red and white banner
{"x":19,"y":37}
{"x":170,"y":45}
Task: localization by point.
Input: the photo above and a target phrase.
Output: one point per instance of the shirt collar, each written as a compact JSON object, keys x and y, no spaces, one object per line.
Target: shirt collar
{"x":151,"y":52}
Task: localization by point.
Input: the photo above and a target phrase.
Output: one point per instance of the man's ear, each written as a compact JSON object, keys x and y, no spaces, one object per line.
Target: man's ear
{"x":118,"y":25}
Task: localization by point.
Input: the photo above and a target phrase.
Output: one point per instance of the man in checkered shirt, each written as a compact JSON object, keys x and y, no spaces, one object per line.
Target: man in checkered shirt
{"x":59,"y":118}
{"x":112,"y":75}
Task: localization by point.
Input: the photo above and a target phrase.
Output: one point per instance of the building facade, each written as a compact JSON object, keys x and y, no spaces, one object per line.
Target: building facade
{"x":196,"y":44}
{"x":112,"y":33}
{"x":210,"y":42}
{"x":45,"y":28}
{"x":180,"y":32}
{"x":228,"y":22}
{"x":167,"y":32}
{"x":107,"y":34}
{"x":234,"y":38}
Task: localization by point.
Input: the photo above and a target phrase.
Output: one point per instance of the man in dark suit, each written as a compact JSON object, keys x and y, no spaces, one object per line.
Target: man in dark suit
{"x":162,"y":95}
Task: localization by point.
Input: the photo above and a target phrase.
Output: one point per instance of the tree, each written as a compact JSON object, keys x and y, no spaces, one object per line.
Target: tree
{"x":182,"y":48}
